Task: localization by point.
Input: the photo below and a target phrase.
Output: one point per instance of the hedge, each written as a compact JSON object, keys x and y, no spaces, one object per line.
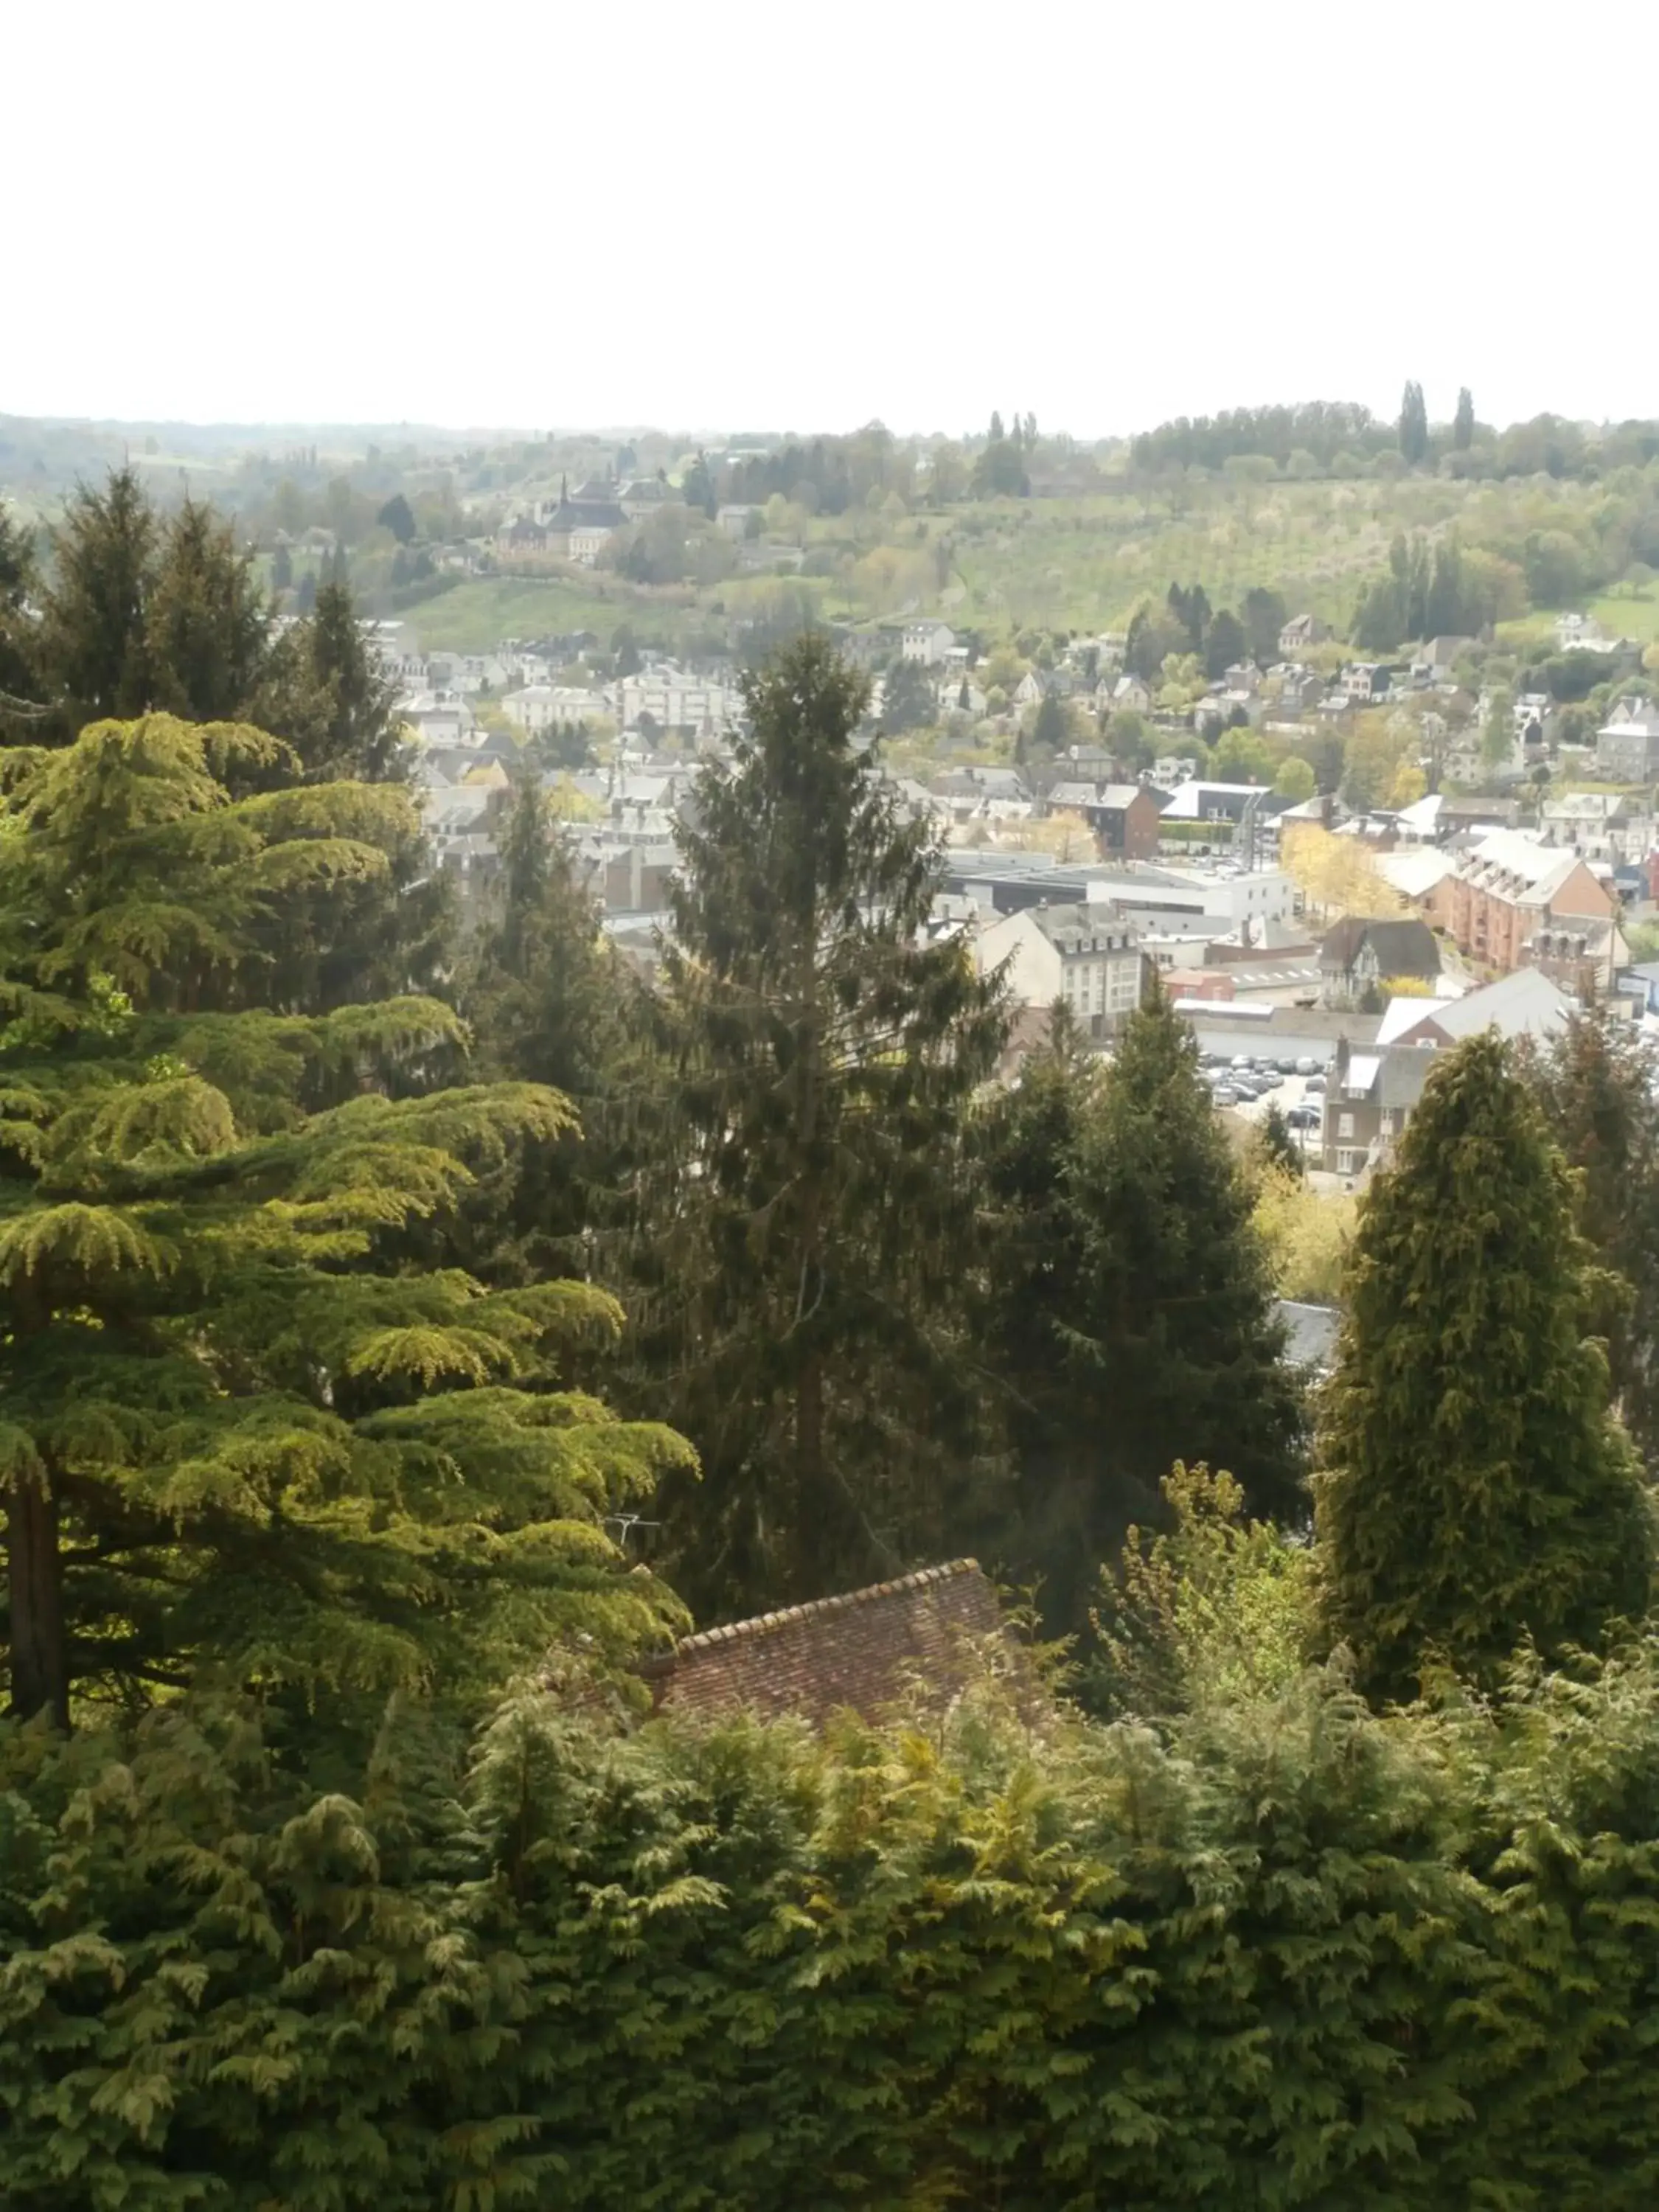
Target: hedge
{"x":1288,"y":1955}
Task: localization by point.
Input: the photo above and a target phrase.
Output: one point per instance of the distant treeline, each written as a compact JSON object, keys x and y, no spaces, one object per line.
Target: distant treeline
{"x":1322,"y":434}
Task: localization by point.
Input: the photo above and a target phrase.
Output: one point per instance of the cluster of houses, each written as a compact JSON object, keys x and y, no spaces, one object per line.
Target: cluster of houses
{"x":1160,"y":871}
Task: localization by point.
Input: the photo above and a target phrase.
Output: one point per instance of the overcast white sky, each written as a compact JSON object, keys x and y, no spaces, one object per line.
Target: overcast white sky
{"x":717,"y":213}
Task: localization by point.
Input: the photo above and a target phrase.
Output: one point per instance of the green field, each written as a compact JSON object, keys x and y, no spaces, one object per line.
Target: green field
{"x":1077,"y":564}
{"x":1627,"y":613}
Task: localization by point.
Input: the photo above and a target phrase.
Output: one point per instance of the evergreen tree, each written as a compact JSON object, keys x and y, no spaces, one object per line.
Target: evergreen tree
{"x":206,"y":620}
{"x":1596,"y":1086}
{"x":550,"y":1000}
{"x":1413,"y":425}
{"x":805,"y":1225}
{"x":1130,"y":1303}
{"x":1051,"y":727}
{"x":330,"y":700}
{"x":93,"y":645}
{"x":1463,"y":421}
{"x":1190,"y":608}
{"x":1225,"y":645}
{"x":1264,"y":614}
{"x":21,"y":698}
{"x":906,"y":699}
{"x":1476,"y":1491}
{"x":1447,"y":612}
{"x":399,"y":517}
{"x":234,"y":1426}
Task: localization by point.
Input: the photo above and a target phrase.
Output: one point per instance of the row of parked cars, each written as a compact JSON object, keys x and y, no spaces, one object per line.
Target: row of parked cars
{"x":1246,"y":1075}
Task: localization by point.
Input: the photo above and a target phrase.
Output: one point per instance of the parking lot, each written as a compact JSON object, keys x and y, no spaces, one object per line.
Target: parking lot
{"x":1287,"y":1091}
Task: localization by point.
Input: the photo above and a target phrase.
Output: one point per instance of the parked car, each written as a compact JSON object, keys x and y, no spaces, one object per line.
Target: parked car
{"x":1306,"y":1066}
{"x":1269,"y":1078}
{"x":1224,"y":1095}
{"x":1302,"y":1117}
{"x":1314,"y":1086}
{"x":1243,"y":1062}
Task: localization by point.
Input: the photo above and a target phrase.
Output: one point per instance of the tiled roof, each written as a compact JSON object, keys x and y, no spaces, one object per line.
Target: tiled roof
{"x":862,"y":1650}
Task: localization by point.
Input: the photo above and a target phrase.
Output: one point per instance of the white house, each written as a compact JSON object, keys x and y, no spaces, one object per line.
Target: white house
{"x":929,"y":642}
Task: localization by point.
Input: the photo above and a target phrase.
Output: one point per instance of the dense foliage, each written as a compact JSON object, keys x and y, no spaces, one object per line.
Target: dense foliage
{"x":1128,"y":1304}
{"x":237,"y":1429}
{"x":1288,"y":1955}
{"x":806,"y":1217}
{"x":1476,"y":1492}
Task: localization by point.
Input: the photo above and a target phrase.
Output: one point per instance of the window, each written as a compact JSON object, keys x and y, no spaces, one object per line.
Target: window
{"x":1344,"y":1125}
{"x":1345,"y":1163}
{"x":1388,"y":1121}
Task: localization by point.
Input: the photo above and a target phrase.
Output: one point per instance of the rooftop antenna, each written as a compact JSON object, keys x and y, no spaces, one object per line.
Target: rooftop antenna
{"x":625,"y":1524}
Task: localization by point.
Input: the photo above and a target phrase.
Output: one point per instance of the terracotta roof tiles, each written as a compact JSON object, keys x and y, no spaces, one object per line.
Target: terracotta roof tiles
{"x":860,"y":1649}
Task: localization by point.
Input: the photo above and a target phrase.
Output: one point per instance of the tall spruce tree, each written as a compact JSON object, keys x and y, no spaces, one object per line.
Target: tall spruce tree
{"x":329,"y":698}
{"x":233,"y":1424}
{"x":807,"y":1219}
{"x":1476,"y":1492}
{"x":207,"y":621}
{"x":549,"y":1000}
{"x":93,"y":647}
{"x":1595,"y":1081}
{"x":1132,"y":1305}
{"x":1033,"y":1296}
{"x":1463,"y":421}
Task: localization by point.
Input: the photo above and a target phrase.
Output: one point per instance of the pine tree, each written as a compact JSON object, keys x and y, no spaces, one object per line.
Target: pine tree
{"x":207,"y":623}
{"x":1224,"y":644}
{"x":1178,"y":1337}
{"x":93,"y":647}
{"x":550,"y":1000}
{"x":234,"y":1427}
{"x":1476,"y":1492}
{"x":1131,"y":1315}
{"x":330,"y":700}
{"x":1463,"y":421}
{"x":1596,"y":1084}
{"x":805,"y":1225}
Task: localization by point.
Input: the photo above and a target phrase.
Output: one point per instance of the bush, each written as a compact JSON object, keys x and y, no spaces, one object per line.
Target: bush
{"x":1282,"y":1953}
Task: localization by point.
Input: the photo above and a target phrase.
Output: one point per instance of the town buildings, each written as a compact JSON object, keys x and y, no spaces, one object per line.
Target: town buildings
{"x":1080,"y":955}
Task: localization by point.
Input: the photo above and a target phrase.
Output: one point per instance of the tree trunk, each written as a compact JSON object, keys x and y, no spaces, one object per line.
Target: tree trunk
{"x":825,"y":1535}
{"x":39,"y":1669}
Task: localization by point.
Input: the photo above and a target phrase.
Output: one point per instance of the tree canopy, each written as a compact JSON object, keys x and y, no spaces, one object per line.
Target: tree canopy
{"x":235,"y":1428}
{"x":802,"y":1224}
{"x":1475,"y":1491}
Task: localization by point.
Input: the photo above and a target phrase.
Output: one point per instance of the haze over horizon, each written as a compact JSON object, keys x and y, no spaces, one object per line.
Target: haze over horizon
{"x":343,"y":217}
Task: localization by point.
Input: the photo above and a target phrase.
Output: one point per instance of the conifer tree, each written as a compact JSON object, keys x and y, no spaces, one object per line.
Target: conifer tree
{"x":1463,"y":421}
{"x":1413,"y":426}
{"x":93,"y":647}
{"x":1475,"y":1489}
{"x":207,"y":622}
{"x":1153,"y":1337}
{"x":328,"y":698}
{"x":806,"y":1217}
{"x":234,"y":1426}
{"x":21,"y":699}
{"x":1033,"y":1296}
{"x":550,"y":1000}
{"x":1597,"y":1085}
